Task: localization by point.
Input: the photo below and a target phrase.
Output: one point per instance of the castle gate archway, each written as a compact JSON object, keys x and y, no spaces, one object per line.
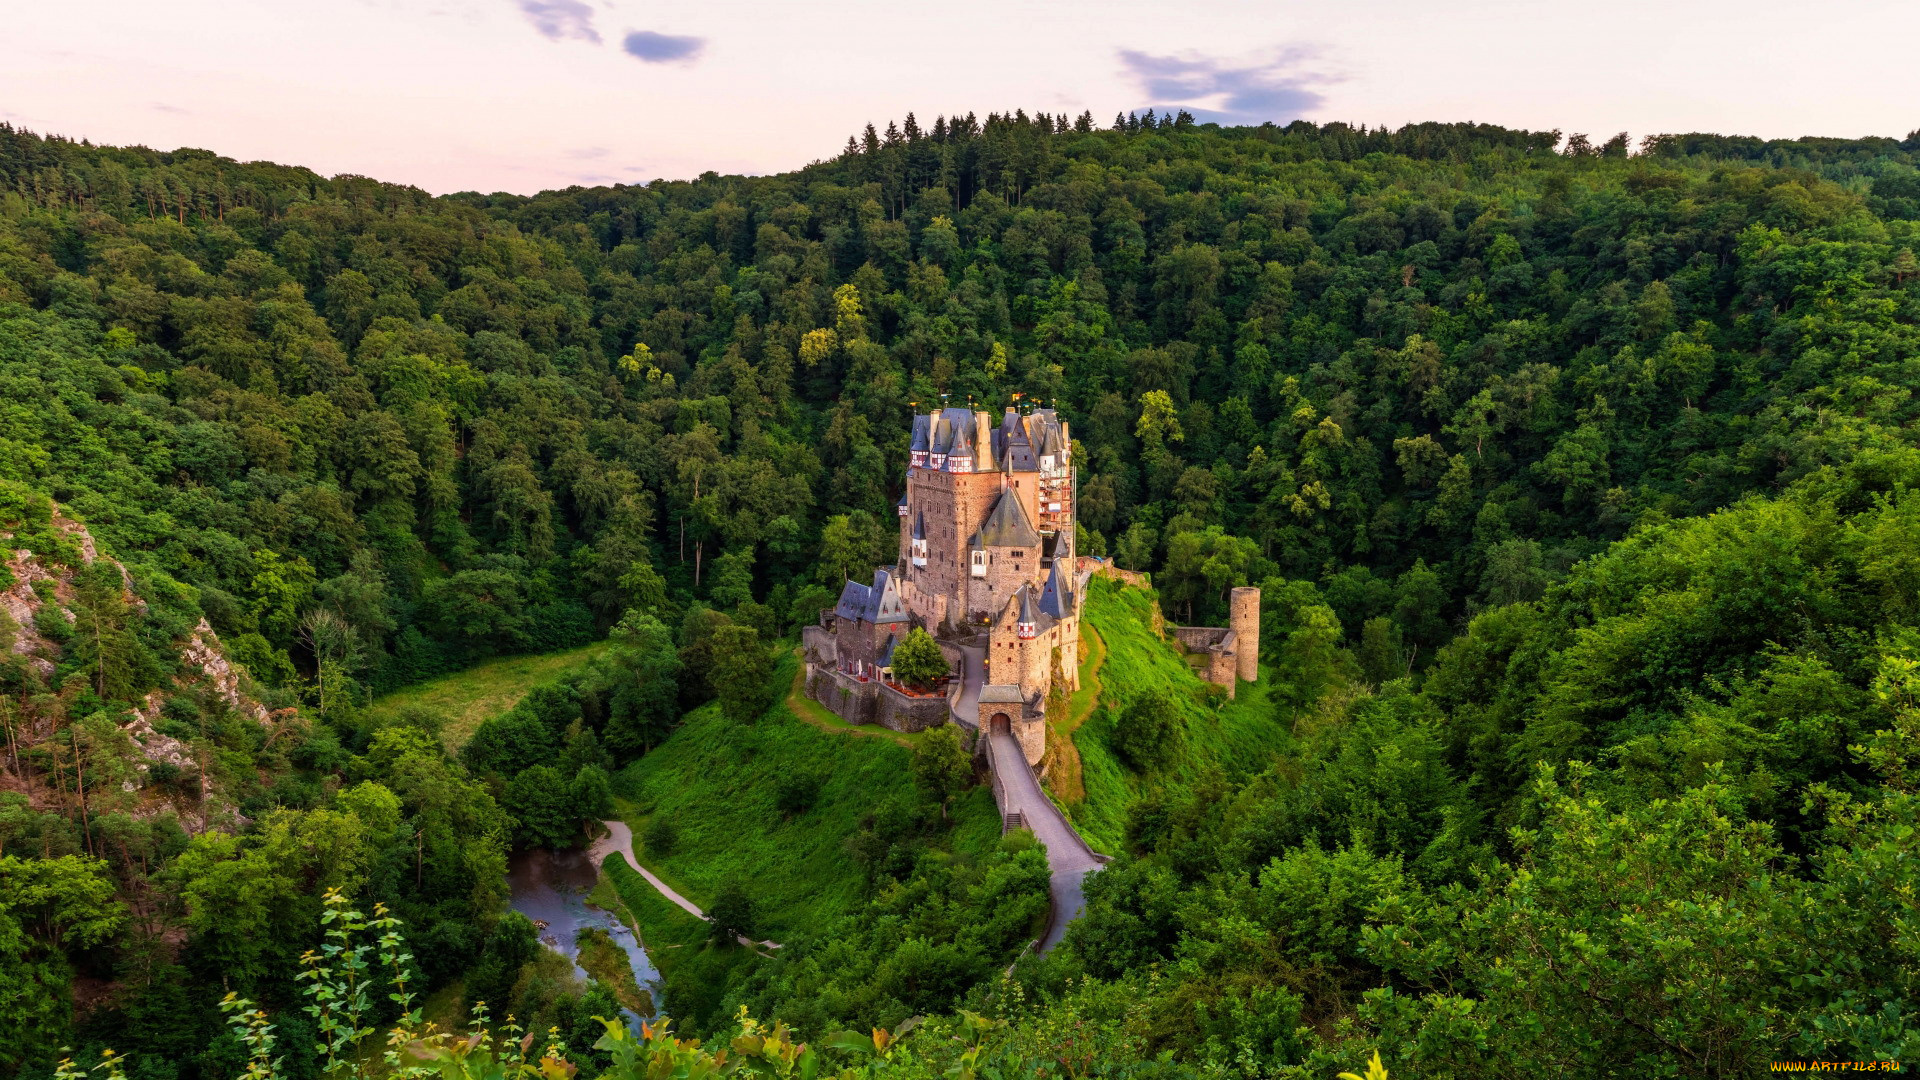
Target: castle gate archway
{"x":999,"y":724}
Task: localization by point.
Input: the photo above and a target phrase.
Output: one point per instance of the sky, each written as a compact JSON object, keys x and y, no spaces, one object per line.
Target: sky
{"x":525,"y":95}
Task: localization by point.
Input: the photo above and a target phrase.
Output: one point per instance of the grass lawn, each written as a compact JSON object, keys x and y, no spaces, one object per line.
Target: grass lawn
{"x":467,"y":697}
{"x":1239,"y":737}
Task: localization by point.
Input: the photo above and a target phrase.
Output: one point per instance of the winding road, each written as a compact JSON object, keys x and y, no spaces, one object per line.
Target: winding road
{"x":1069,"y":859}
{"x":965,"y":706}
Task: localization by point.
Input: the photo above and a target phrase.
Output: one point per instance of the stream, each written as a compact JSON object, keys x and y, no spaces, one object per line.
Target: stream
{"x":551,"y":887}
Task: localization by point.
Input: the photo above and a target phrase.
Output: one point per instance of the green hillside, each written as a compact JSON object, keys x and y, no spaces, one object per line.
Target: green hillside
{"x":1577,"y":479}
{"x":721,"y":783}
{"x":1220,"y":738}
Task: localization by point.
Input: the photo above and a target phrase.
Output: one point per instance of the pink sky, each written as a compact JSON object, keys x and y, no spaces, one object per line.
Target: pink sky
{"x":521,"y":95}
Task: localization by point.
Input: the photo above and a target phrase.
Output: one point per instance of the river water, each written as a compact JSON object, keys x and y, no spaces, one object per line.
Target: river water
{"x":551,"y":887}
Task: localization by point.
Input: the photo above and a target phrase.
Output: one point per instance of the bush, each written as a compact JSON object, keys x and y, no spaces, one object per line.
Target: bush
{"x":661,"y":835}
{"x":794,"y":793}
{"x":1148,"y":732}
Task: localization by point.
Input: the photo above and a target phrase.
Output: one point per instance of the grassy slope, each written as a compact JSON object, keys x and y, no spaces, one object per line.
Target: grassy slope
{"x":1242,"y":736}
{"x":467,"y":697}
{"x":718,"y":781}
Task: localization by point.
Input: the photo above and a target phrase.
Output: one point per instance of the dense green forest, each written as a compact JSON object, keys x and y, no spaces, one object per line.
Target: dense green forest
{"x":1579,"y":481}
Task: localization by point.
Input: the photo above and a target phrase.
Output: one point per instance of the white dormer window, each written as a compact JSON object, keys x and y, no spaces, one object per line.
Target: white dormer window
{"x":919,"y":553}
{"x":979,"y":567}
{"x":956,"y":463}
{"x":937,"y":461}
{"x":919,"y":459}
{"x":1046,"y":463}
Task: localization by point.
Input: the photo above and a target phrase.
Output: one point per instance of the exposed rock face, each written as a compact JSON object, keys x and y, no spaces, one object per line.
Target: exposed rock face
{"x":22,"y":604}
{"x":153,"y":745}
{"x":202,"y":652}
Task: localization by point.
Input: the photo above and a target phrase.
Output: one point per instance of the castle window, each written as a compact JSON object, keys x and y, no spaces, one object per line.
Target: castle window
{"x":979,"y":567}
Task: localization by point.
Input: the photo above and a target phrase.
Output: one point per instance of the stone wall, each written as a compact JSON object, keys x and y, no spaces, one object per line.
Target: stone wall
{"x":1099,"y":567}
{"x":845,"y":696}
{"x":1221,"y":646}
{"x":819,"y":645}
{"x":1198,"y":638}
{"x":901,"y":712}
{"x":955,"y":504}
{"x":1222,"y":663}
{"x":873,"y":702}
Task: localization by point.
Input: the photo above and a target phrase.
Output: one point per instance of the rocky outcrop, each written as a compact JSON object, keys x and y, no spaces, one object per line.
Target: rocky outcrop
{"x":153,"y":745}
{"x":202,"y":653}
{"x":205,"y":663}
{"x":22,"y":604}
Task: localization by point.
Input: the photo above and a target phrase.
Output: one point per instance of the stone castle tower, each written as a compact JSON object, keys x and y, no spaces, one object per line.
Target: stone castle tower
{"x":986,"y":561}
{"x":987,"y":565}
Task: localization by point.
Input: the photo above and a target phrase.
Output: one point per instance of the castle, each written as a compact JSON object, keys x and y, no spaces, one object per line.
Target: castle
{"x":987,"y":566}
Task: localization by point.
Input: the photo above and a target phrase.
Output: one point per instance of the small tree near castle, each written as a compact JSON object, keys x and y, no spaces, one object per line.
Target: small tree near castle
{"x":917,"y":660}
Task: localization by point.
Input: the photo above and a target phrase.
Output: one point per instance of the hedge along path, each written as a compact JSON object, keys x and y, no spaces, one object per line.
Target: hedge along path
{"x":620,"y":838}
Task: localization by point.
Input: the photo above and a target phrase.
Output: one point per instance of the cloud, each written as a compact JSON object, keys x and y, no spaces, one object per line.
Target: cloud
{"x":166,"y":108}
{"x":653,"y":48}
{"x":1275,"y":87}
{"x":588,"y":153}
{"x":559,"y":20}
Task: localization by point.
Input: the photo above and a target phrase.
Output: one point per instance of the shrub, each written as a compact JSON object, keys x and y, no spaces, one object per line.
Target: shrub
{"x":1148,"y":732}
{"x":732,"y":913}
{"x":795,"y":792}
{"x":661,"y":836}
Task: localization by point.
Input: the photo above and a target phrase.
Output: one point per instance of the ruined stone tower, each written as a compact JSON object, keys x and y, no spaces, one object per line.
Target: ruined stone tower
{"x":1244,"y":620}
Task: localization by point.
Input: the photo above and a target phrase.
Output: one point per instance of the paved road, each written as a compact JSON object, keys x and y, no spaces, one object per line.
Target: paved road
{"x":1068,"y":856}
{"x":966,"y":706}
{"x":620,"y":838}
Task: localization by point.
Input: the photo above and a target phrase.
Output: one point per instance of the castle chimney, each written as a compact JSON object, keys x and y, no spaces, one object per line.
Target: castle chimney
{"x":983,"y":431}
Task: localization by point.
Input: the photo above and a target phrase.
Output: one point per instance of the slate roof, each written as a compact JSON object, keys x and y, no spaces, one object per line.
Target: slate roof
{"x":950,"y":432}
{"x":875,"y":603}
{"x":1000,"y":693}
{"x":920,"y":425}
{"x":853,"y":601}
{"x":1056,"y":597}
{"x":1027,"y":614}
{"x":1007,"y":526}
{"x":919,"y":526}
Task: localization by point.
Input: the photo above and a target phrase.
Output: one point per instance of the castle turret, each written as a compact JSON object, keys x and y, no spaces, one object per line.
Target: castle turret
{"x":1026,"y":625}
{"x":1243,"y":607}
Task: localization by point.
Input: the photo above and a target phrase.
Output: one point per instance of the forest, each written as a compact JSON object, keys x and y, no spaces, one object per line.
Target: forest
{"x":1581,"y":481}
